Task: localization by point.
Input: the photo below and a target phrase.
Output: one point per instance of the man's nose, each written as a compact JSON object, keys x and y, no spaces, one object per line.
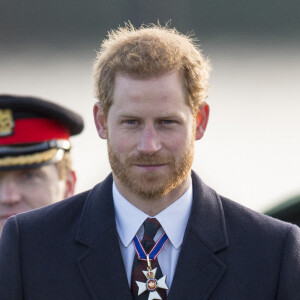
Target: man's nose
{"x":149,"y":142}
{"x":9,"y":194}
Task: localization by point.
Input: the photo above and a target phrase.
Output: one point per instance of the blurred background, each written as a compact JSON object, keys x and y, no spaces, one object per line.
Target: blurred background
{"x":250,"y":152}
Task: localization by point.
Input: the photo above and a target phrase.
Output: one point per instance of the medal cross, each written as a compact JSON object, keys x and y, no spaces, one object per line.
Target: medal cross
{"x":151,"y":284}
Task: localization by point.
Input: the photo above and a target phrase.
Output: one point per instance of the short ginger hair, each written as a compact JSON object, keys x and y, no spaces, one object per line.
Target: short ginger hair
{"x":146,"y":52}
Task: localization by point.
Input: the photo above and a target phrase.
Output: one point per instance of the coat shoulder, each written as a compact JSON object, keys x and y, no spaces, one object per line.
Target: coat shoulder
{"x":61,"y":210}
{"x":250,"y":223}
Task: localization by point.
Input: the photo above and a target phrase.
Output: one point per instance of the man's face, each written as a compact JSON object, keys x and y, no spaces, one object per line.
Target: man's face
{"x":151,"y":131}
{"x":24,"y":190}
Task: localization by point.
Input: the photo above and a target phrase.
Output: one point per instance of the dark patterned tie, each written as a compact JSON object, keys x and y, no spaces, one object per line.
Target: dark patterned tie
{"x":151,"y":226}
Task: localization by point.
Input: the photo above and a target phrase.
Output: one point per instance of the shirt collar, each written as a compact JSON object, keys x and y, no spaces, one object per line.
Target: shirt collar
{"x":173,"y":219}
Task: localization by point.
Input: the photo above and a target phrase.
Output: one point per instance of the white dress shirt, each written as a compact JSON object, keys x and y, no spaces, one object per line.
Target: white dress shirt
{"x":173,"y":219}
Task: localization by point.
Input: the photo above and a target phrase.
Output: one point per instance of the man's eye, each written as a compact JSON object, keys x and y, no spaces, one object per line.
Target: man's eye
{"x":167,"y":122}
{"x":29,"y":175}
{"x":131,"y":122}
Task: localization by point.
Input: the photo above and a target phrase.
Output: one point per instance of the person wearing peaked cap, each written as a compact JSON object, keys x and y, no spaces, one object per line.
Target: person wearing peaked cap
{"x":35,"y":162}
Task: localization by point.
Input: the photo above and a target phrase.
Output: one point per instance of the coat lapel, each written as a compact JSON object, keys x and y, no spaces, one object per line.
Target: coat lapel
{"x":199,"y":270}
{"x":101,"y":264}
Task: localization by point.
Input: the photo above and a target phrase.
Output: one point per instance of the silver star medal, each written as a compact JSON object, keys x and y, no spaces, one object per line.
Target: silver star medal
{"x":152,"y":284}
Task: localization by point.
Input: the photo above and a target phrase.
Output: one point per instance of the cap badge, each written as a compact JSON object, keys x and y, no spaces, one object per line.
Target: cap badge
{"x":6,"y":122}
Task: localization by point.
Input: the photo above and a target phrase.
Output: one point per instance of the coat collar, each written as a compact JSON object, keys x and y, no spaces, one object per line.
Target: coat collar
{"x":198,"y":271}
{"x":98,"y":206}
{"x":101,"y":264}
{"x":207,"y":220}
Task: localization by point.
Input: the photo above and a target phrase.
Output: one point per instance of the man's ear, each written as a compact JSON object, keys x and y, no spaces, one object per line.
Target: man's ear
{"x":70,"y":184}
{"x":100,"y":120}
{"x":201,"y":120}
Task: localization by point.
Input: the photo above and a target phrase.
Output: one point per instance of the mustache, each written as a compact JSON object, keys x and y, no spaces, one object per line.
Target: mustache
{"x":144,"y":159}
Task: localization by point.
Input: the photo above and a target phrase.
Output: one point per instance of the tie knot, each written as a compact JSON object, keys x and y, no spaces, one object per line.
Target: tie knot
{"x":151,"y":226}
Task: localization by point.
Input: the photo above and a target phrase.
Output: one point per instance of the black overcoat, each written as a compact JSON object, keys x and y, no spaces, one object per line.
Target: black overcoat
{"x":70,"y":250}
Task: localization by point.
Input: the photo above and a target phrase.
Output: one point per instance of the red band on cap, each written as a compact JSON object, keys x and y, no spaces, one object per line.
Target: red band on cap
{"x":35,"y":131}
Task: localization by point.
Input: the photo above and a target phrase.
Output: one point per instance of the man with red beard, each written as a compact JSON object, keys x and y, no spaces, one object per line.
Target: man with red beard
{"x":152,"y":229}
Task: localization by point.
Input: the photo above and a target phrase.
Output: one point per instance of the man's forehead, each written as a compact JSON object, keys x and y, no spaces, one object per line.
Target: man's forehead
{"x":161,"y":87}
{"x":149,"y":77}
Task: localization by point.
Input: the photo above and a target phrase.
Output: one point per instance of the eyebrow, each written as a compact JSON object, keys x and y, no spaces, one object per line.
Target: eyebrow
{"x":164,"y":115}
